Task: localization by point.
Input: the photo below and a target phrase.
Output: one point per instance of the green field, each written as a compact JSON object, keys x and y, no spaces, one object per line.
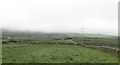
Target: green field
{"x":46,"y":53}
{"x":0,"y":50}
{"x":35,"y":47}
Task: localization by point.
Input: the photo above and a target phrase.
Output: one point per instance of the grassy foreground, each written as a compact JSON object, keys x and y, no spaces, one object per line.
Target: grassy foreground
{"x":44,"y":53}
{"x":0,"y":53}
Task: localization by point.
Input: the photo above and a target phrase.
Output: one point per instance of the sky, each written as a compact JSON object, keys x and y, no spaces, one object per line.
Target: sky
{"x":95,"y":16}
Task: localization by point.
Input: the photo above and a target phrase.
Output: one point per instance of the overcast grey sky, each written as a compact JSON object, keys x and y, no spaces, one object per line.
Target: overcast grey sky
{"x":96,"y":16}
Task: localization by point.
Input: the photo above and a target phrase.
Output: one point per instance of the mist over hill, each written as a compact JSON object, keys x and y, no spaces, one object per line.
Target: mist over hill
{"x":10,"y":32}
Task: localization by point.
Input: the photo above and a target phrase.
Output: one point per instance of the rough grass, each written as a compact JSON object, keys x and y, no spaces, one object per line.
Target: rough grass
{"x":0,"y":51}
{"x":44,"y":53}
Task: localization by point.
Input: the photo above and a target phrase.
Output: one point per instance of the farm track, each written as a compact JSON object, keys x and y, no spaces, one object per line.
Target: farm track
{"x":106,"y":48}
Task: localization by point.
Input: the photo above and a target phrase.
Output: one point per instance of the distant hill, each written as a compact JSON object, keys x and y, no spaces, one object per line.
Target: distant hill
{"x":8,"y":32}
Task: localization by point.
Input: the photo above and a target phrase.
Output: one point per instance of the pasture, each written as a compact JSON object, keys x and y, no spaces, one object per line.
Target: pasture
{"x":26,"y":47}
{"x":47,"y":53}
{"x":0,"y":50}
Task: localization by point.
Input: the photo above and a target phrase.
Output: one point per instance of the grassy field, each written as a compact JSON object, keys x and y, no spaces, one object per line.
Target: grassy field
{"x":45,"y":53}
{"x":26,"y":47}
{"x":0,"y":50}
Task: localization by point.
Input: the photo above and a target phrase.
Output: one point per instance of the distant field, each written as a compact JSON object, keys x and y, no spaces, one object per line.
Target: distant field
{"x":45,"y":53}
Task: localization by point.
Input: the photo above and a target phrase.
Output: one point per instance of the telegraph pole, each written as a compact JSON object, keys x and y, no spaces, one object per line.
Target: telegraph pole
{"x":82,"y":35}
{"x":82,"y":31}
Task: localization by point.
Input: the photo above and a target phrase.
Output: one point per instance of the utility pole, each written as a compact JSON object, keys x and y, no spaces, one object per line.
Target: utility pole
{"x":82,"y":31}
{"x":82,"y":35}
